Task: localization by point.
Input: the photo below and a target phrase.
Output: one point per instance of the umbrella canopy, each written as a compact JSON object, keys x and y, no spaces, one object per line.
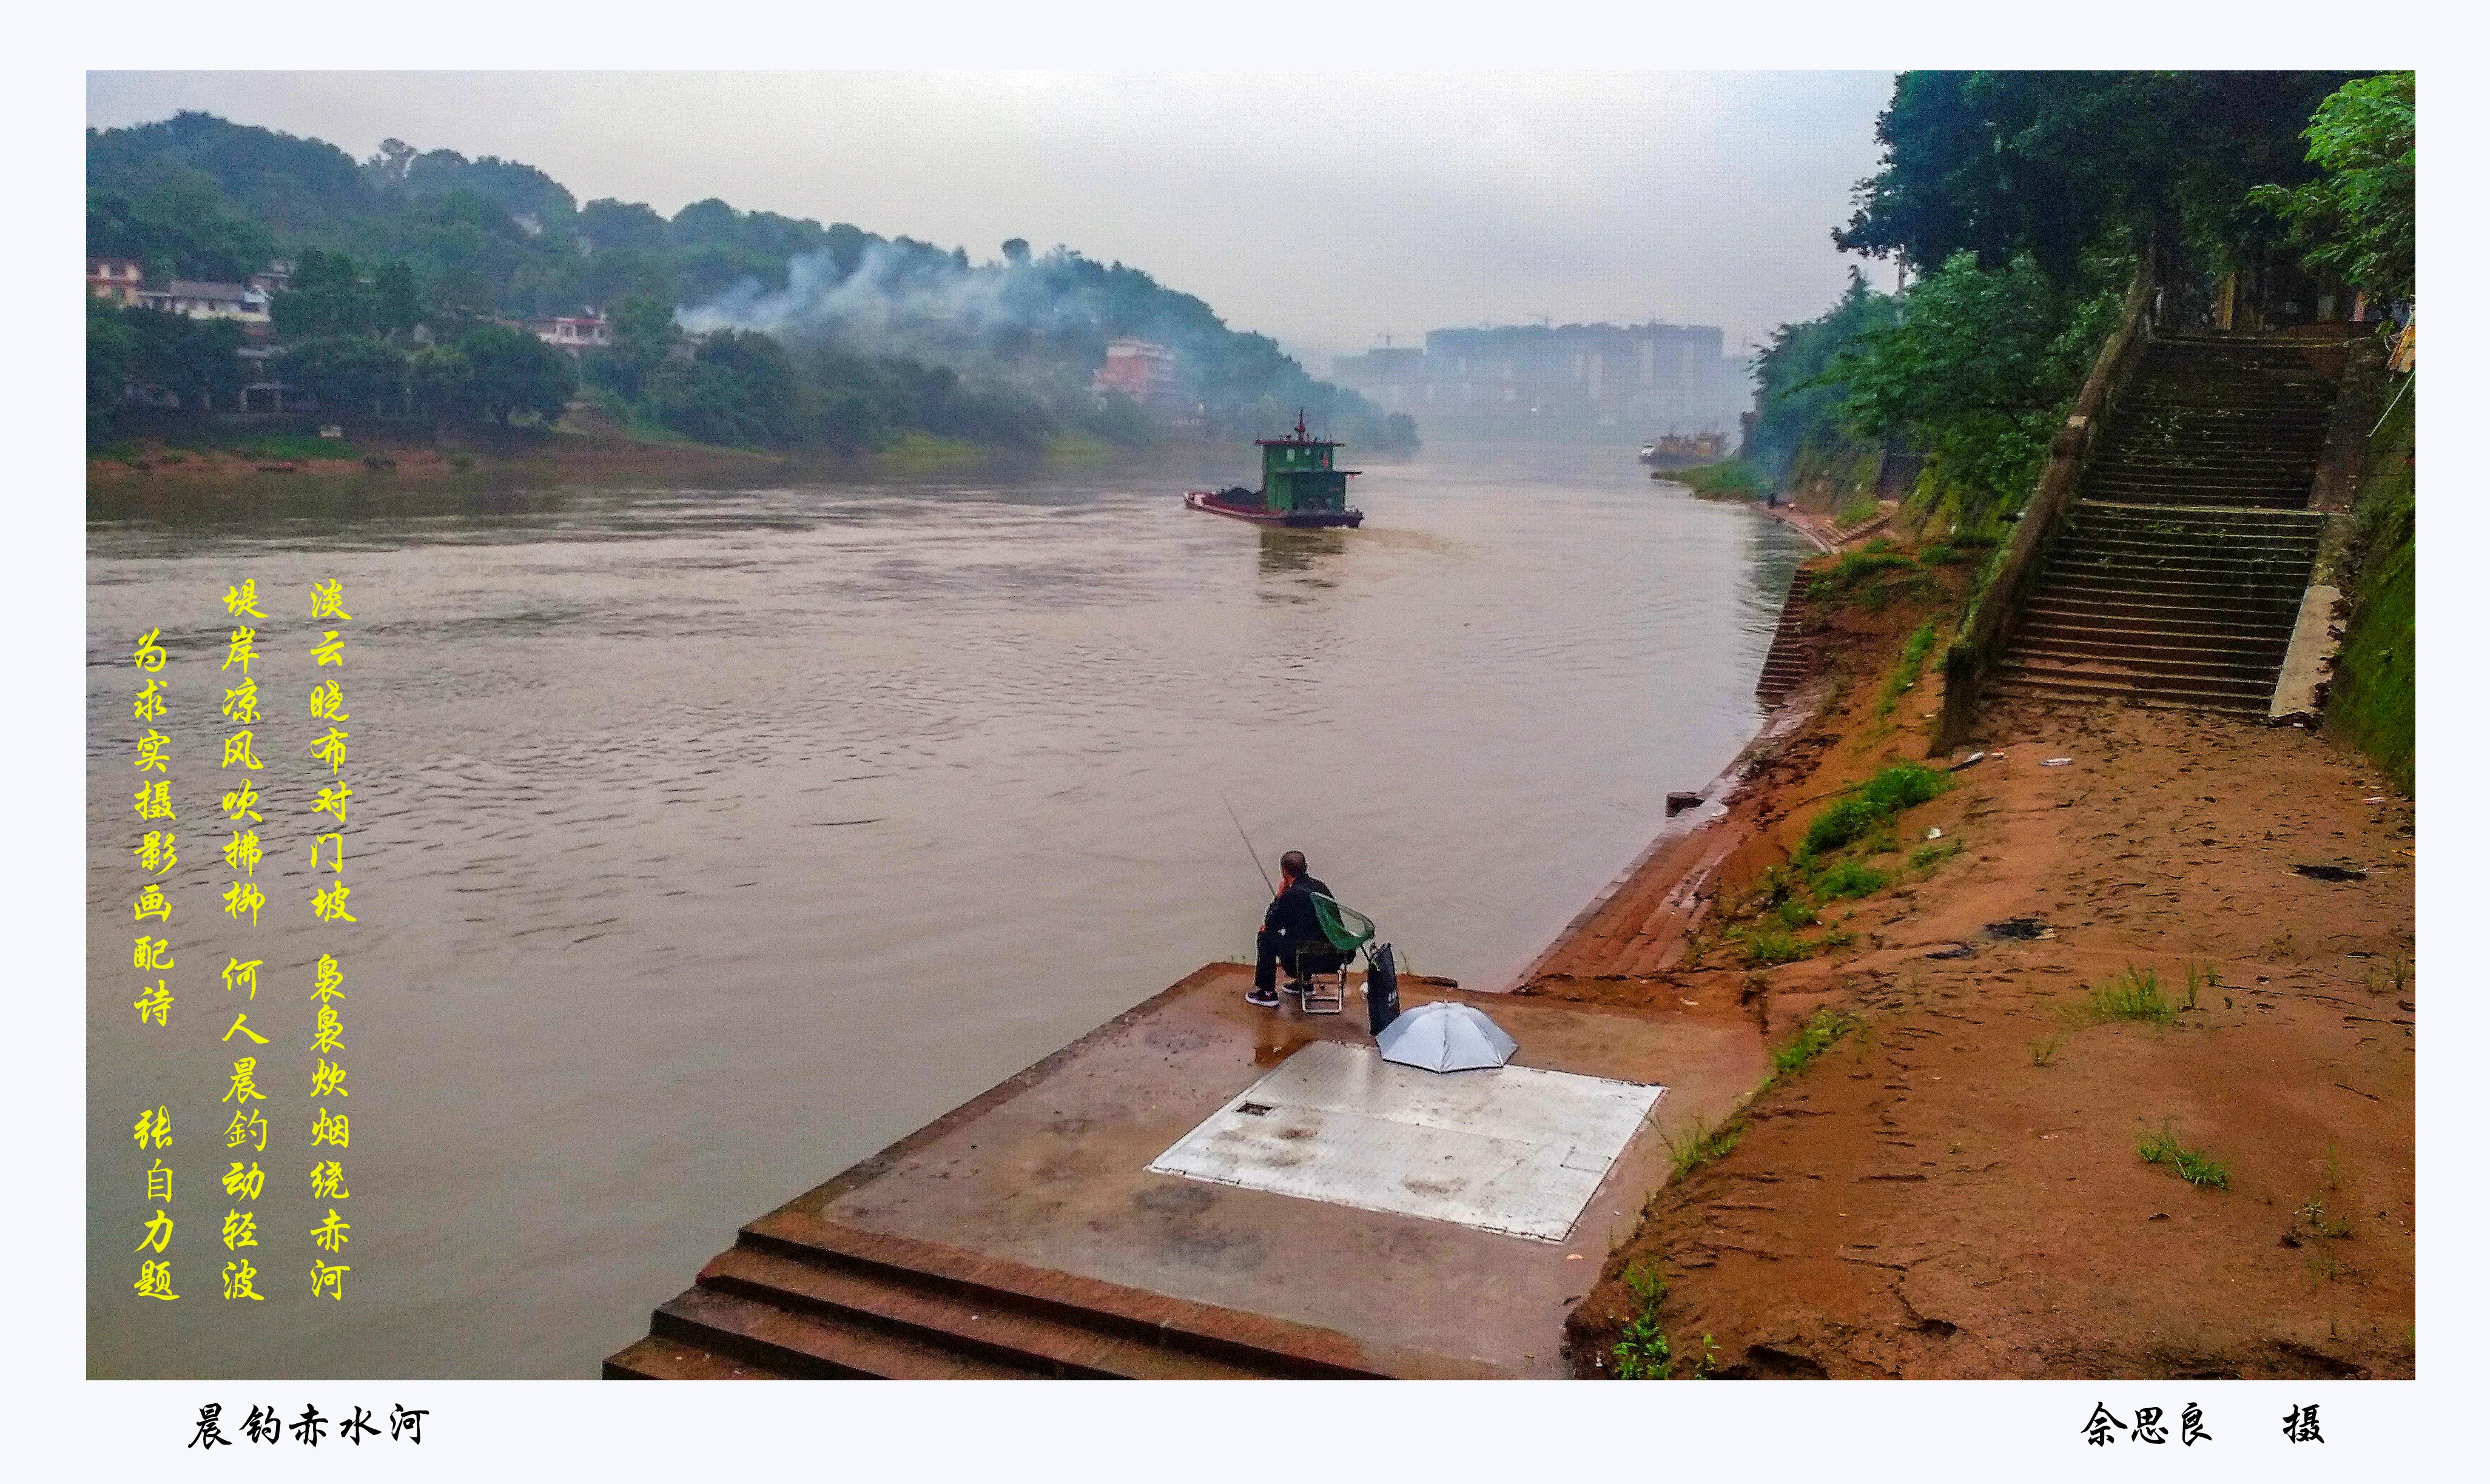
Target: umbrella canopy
{"x":1445,"y":1036}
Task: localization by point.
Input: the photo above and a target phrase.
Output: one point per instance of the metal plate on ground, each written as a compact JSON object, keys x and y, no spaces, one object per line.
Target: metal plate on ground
{"x":1512,"y":1149}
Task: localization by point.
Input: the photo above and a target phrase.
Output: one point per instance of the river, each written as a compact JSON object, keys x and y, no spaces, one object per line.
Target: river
{"x":704,"y":842}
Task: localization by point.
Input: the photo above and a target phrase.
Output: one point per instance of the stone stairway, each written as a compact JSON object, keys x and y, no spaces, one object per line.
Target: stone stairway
{"x":2178,"y":574}
{"x":809,"y":1298}
{"x":1791,"y":660}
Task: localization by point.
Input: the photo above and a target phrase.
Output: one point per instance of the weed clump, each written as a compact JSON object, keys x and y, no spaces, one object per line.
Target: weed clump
{"x":2191,"y":1165}
{"x":1849,"y":880}
{"x":1812,"y":1040}
{"x":1873,"y":803}
{"x":2135,"y":994}
{"x":1702,"y":1144}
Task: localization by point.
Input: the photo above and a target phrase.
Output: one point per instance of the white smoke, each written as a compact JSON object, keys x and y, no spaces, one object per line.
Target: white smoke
{"x":896,"y":302}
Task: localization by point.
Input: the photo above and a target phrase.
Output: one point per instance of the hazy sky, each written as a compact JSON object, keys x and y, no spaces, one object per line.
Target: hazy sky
{"x":1320,"y":208}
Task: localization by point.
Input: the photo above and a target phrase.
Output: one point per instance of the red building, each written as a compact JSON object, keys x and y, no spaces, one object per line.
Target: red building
{"x":1140,"y":369}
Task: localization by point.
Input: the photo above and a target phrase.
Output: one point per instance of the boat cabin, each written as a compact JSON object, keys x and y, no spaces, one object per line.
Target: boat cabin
{"x":1297,"y":473}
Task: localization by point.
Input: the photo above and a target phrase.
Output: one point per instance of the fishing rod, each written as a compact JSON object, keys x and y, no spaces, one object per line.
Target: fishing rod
{"x":1249,"y":842}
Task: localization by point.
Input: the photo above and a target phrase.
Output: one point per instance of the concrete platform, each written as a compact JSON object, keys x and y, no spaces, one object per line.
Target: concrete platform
{"x":1037,"y":1196}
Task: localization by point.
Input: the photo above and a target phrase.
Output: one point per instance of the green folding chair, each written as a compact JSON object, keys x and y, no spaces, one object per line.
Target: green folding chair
{"x":1324,"y":967}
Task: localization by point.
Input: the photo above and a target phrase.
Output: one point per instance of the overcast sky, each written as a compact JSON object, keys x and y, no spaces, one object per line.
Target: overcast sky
{"x":1323,"y":210}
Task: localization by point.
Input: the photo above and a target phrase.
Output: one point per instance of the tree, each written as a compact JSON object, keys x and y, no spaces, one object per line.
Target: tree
{"x":1796,"y":398}
{"x":112,"y":358}
{"x":512,"y":372}
{"x":442,"y":384}
{"x":1977,"y":373}
{"x":2357,"y":219}
{"x":349,"y":373}
{"x":1015,"y":251}
{"x":325,"y":297}
{"x":2054,"y":163}
{"x":194,"y":359}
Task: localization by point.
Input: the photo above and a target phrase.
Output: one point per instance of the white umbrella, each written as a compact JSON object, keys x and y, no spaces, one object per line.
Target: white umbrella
{"x":1445,"y":1036}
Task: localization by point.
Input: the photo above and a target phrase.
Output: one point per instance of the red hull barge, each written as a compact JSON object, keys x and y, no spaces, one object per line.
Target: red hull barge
{"x":1210,"y":503}
{"x":1301,"y":486}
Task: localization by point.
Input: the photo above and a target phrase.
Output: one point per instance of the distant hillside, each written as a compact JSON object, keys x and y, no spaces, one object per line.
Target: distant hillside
{"x":866,"y":337}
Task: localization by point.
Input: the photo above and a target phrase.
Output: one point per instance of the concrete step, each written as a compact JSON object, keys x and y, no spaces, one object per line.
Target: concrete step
{"x":2140,"y":495}
{"x":906,"y":1306}
{"x":808,"y":1346}
{"x":656,"y":1360}
{"x":2113,"y":680}
{"x":2149,"y":617}
{"x":2142,"y":541}
{"x":2265,"y":649}
{"x":2139,"y":660}
{"x":1257,"y":1342}
{"x":2043,"y":689}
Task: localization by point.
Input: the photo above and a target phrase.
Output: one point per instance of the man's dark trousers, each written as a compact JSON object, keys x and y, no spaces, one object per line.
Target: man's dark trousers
{"x":1289,"y":924}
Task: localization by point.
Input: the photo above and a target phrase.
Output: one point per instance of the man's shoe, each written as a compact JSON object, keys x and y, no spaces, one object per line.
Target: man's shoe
{"x":1262,"y":997}
{"x":1296,"y":986}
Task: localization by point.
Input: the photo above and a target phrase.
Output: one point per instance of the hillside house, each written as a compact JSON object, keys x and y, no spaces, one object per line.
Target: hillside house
{"x":115,"y":278}
{"x":208,"y":301}
{"x":574,"y":332}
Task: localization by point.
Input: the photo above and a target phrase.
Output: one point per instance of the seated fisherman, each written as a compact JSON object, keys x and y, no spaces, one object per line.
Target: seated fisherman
{"x":1288,"y":925}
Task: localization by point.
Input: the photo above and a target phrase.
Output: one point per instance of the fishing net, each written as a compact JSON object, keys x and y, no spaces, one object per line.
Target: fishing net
{"x":1347,"y":927}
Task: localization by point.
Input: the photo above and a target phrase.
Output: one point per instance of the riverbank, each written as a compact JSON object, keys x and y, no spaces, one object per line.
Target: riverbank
{"x":584,"y":449}
{"x":2052,"y":971}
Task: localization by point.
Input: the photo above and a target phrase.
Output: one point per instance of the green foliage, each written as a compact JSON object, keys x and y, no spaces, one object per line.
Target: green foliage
{"x":2057,"y":164}
{"x":350,"y":373}
{"x":1770,"y":946}
{"x":1844,"y":880}
{"x":2371,"y":704}
{"x":1813,"y":1039}
{"x":1730,"y":479}
{"x":2357,"y":219}
{"x":1908,"y":668}
{"x":1935,"y":853}
{"x":191,"y":360}
{"x":2132,"y":995}
{"x":513,"y":374}
{"x":2191,"y":1165}
{"x":1796,"y":399}
{"x":1858,"y":512}
{"x":1641,"y":1351}
{"x":1872,"y":802}
{"x":1978,"y":374}
{"x":1702,"y":1143}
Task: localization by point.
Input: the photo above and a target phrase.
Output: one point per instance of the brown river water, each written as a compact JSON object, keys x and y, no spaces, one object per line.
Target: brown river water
{"x":705,"y":842}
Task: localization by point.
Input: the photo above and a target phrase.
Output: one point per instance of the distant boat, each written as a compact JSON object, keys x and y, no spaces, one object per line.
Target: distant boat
{"x":1300,"y":487}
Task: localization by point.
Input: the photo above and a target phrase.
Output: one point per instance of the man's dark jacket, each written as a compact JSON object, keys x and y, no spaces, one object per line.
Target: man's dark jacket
{"x":1291,"y":913}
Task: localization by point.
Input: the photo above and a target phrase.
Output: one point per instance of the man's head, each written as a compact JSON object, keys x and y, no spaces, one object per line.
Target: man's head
{"x":1292,"y":865}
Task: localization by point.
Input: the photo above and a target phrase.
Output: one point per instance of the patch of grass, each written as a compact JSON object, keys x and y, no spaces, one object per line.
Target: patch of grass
{"x":1850,"y":879}
{"x":1641,"y":1351}
{"x":1935,"y":853}
{"x":2200,"y":977}
{"x":1812,"y":1040}
{"x":2045,"y":1050}
{"x":1729,"y":479}
{"x":1702,"y":1144}
{"x":1855,"y":568}
{"x":1908,"y":669}
{"x":2135,"y":994}
{"x":1872,"y":802}
{"x":1858,"y":512}
{"x":2193,"y":1166}
{"x":1773,"y":946}
{"x":1795,"y":913}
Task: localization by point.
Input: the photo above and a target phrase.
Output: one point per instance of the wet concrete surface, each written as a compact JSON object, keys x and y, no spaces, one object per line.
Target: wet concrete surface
{"x":1051,"y":1169}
